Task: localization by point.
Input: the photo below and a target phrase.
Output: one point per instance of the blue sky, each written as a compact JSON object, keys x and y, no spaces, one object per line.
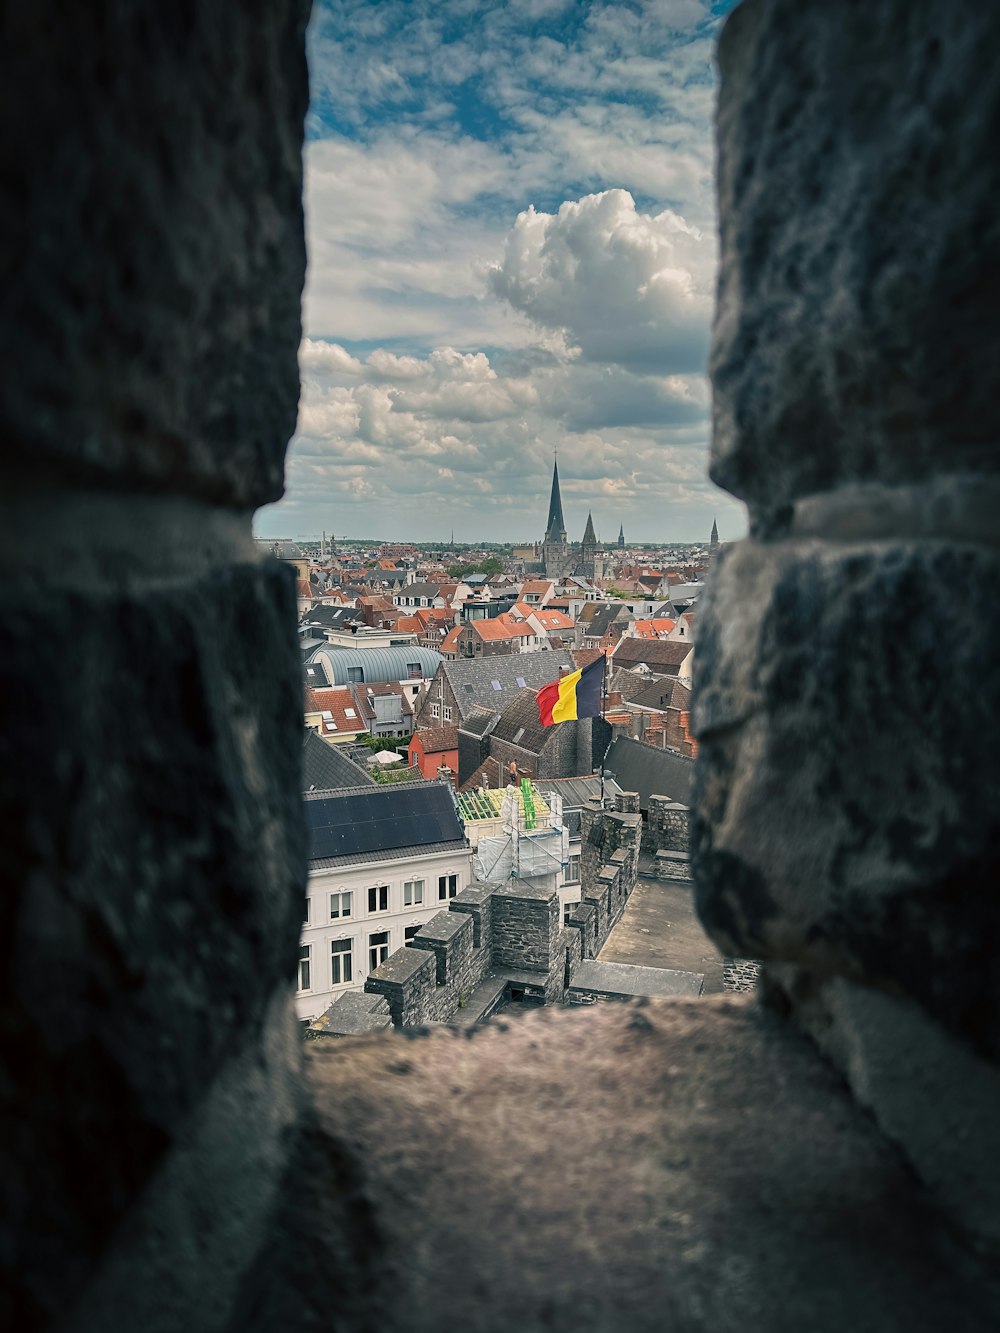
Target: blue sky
{"x":511,"y":250}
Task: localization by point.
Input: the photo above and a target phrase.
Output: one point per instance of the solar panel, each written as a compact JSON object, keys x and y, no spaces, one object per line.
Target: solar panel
{"x":380,"y":821}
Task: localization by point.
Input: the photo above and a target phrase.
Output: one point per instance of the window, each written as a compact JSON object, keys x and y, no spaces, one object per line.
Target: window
{"x":409,"y":933}
{"x":435,"y":710}
{"x":341,"y":962}
{"x":378,"y":949}
{"x":573,"y":869}
{"x":378,"y":898}
{"x":340,"y":905}
{"x":356,"y":674}
{"x":305,"y":967}
{"x":413,"y":892}
{"x":520,"y":682}
{"x":413,"y":669}
{"x":349,"y":712}
{"x":496,"y":684}
{"x":447,"y":886}
{"x":305,"y":916}
{"x":447,"y":714}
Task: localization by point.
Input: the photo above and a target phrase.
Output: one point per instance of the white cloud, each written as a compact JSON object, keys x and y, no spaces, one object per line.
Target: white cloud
{"x":427,"y":401}
{"x":624,"y":287}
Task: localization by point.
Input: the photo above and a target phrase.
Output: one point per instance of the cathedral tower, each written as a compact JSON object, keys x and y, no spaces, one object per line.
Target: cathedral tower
{"x":555,"y":551}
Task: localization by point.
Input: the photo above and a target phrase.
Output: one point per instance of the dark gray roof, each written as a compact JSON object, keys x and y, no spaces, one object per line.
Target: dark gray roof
{"x":664,"y":655}
{"x":419,"y":590}
{"x":314,"y":674}
{"x":576,"y":792}
{"x":390,"y":854}
{"x":331,"y":617}
{"x":512,"y":674}
{"x":375,"y":823}
{"x":602,"y":621}
{"x":649,"y":771}
{"x":325,"y":768}
{"x":519,"y":723}
{"x":479,"y":721}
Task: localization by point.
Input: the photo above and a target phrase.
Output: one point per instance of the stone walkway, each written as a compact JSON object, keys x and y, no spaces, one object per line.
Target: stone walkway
{"x":659,"y":928}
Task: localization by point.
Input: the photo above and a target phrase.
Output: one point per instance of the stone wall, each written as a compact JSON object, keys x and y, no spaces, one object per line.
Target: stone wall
{"x":845,"y":823}
{"x":741,"y":975}
{"x":164,"y":1165}
{"x":666,"y":827}
{"x":153,"y":261}
{"x":512,"y":930}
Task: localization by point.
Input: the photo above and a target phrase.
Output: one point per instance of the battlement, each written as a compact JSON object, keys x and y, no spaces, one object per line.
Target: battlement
{"x":497,"y":940}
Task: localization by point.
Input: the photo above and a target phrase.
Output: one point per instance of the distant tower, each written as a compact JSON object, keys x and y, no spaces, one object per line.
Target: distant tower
{"x":588,"y":549}
{"x":621,"y":537}
{"x":555,"y":551}
{"x":713,"y":541}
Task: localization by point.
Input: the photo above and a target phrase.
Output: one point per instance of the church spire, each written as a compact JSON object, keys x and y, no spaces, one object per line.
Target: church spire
{"x":713,"y":541}
{"x":621,"y":536}
{"x":589,"y":536}
{"x":555,"y":530}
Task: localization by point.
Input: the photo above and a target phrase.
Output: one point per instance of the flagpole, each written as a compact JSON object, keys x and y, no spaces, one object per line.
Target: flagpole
{"x":604,"y":709}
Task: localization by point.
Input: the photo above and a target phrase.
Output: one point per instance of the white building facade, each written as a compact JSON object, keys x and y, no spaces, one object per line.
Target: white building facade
{"x":362,"y":906}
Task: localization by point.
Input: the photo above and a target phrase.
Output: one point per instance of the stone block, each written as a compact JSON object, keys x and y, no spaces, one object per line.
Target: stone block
{"x":355,"y":1013}
{"x":448,"y":936}
{"x":407,"y":980}
{"x":154,"y":871}
{"x":154,"y":252}
{"x":477,"y":900}
{"x":845,"y":812}
{"x":855,"y":315}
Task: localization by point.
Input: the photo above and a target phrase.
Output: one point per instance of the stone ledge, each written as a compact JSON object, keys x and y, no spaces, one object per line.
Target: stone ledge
{"x":713,"y":1156}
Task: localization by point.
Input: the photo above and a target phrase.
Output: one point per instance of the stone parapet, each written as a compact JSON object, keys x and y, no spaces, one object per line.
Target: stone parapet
{"x":406,"y":979}
{"x":525,"y":925}
{"x":477,"y":900}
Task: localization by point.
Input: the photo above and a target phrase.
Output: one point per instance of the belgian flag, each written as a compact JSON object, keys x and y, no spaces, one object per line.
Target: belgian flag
{"x":575,"y":695}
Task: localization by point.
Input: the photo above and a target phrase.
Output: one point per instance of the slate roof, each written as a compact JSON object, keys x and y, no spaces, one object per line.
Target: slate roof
{"x":419,"y":590}
{"x":479,"y":721}
{"x":576,"y":792}
{"x":331,"y":617}
{"x":664,"y":655}
{"x":649,"y":771}
{"x":602,"y":621}
{"x":315,"y":675}
{"x":511,"y":674}
{"x":327,"y":768}
{"x":519,"y":723}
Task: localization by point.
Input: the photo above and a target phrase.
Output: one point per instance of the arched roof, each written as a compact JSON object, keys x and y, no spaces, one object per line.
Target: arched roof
{"x":377,"y":664}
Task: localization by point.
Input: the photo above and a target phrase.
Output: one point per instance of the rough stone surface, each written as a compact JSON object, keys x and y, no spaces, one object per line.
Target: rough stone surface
{"x":855,"y":314}
{"x":623,"y":1167}
{"x":355,"y":1014}
{"x":153,"y":256}
{"x":153,"y":870}
{"x":621,"y":981}
{"x":924,"y":1089}
{"x":846,"y":805}
{"x":667,"y":826}
{"x":741,"y":975}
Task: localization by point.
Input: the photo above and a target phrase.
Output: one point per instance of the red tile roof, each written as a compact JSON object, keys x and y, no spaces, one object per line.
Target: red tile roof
{"x":336,"y":701}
